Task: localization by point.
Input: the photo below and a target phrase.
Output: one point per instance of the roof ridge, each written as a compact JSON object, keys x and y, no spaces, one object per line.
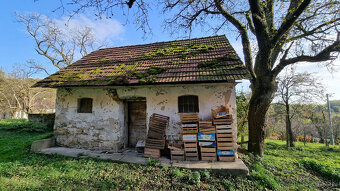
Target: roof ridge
{"x":207,"y":37}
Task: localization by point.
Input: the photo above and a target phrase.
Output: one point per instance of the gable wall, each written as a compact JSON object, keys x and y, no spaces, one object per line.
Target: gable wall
{"x":104,"y":128}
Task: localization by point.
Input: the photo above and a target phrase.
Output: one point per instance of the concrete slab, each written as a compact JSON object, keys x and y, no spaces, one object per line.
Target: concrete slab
{"x":132,"y":156}
{"x":42,"y":144}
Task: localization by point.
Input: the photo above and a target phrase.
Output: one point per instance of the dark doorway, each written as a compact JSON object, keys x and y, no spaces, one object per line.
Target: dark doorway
{"x":136,"y":122}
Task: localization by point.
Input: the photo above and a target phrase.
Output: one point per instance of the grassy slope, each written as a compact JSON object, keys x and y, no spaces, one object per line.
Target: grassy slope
{"x":307,"y":167}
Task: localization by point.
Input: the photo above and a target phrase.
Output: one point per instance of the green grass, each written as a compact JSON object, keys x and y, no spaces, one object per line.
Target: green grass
{"x":310,"y":167}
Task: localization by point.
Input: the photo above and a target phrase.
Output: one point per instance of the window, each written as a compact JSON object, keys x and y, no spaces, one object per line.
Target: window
{"x":85,"y":105}
{"x":188,"y":104}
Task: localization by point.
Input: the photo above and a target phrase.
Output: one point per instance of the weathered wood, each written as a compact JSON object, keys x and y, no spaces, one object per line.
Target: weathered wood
{"x":152,"y":153}
{"x":224,"y":148}
{"x":227,"y":158}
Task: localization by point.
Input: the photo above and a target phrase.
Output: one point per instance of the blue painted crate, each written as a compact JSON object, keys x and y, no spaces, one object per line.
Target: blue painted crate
{"x":206,"y":137}
{"x":226,"y":153}
{"x":207,"y":144}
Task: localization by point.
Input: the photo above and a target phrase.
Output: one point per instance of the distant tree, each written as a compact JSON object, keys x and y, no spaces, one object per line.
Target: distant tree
{"x":242,"y":101}
{"x":294,"y":88}
{"x":317,"y":114}
{"x":16,"y":93}
{"x":58,"y":45}
{"x":283,"y":33}
{"x":335,"y":105}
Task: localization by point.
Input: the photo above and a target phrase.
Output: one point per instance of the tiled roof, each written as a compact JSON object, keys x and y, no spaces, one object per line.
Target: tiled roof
{"x":209,"y":59}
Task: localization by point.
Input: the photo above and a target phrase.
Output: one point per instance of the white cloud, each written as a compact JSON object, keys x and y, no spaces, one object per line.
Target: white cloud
{"x":103,"y":29}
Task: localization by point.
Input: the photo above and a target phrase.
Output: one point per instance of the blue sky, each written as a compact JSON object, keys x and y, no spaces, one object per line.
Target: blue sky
{"x":17,"y":47}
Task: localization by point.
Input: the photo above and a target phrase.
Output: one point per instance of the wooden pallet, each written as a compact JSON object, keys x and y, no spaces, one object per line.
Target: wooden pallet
{"x":189,"y":117}
{"x":152,"y":153}
{"x":157,"y":126}
{"x":155,"y":143}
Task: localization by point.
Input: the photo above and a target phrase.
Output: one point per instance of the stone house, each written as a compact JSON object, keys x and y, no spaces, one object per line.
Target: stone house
{"x":105,"y":99}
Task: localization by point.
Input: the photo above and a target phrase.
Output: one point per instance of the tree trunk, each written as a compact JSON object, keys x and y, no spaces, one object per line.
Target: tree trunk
{"x":289,"y":132}
{"x":263,"y":94}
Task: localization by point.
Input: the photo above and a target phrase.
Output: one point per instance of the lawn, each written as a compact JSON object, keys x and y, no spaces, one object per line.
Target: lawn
{"x":310,"y":167}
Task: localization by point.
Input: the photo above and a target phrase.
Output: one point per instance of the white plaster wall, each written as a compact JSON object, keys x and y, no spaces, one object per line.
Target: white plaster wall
{"x":100,"y":129}
{"x":105,"y":129}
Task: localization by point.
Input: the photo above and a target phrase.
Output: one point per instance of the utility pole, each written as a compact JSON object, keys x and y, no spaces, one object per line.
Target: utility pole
{"x":330,"y":121}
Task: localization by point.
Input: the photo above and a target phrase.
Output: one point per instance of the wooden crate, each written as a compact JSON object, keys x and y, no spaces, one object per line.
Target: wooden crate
{"x":152,"y":153}
{"x":226,"y":158}
{"x":222,"y":121}
{"x":219,"y":109}
{"x":190,"y":128}
{"x":177,"y":154}
{"x":208,"y":153}
{"x":191,"y":151}
{"x":189,"y":138}
{"x":223,"y":127}
{"x":155,"y":143}
{"x":189,"y":117}
{"x":224,"y":135}
{"x":157,"y":126}
{"x":206,"y":127}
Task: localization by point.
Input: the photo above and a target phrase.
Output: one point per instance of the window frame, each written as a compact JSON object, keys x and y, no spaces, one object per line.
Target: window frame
{"x":188,"y":104}
{"x":85,"y":105}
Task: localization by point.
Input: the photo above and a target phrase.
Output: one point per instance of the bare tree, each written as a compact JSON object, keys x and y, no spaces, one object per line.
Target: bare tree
{"x":58,"y":45}
{"x":284,"y":33}
{"x":16,"y":93}
{"x":293,"y":89}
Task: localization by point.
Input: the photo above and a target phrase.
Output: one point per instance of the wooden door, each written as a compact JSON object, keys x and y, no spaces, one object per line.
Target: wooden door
{"x":136,"y":122}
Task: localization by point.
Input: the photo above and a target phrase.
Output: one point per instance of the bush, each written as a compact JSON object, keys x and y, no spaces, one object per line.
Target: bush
{"x":21,"y":125}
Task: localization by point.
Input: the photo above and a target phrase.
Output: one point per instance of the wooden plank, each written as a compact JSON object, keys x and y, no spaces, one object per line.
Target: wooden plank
{"x":181,"y":158}
{"x":191,"y":158}
{"x":209,"y":158}
{"x":208,"y":149}
{"x":227,"y":158}
{"x":224,"y":148}
{"x":191,"y":154}
{"x":188,"y":144}
{"x":225,"y":139}
{"x":152,"y":153}
{"x":190,"y":149}
{"x":224,"y":135}
{"x":177,"y":152}
{"x":208,"y":154}
{"x":225,"y":144}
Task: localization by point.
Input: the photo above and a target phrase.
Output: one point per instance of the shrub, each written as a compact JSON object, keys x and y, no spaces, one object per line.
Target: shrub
{"x":194,"y":177}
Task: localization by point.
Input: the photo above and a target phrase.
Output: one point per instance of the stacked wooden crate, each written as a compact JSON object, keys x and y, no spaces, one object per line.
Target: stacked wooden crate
{"x":222,"y":120}
{"x":176,"y":152}
{"x":207,"y":141}
{"x":155,"y":140}
{"x":189,"y":122}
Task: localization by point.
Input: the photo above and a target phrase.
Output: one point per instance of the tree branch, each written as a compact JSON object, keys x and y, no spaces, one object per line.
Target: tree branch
{"x":244,"y":36}
{"x":324,"y":55}
{"x":289,"y":22}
